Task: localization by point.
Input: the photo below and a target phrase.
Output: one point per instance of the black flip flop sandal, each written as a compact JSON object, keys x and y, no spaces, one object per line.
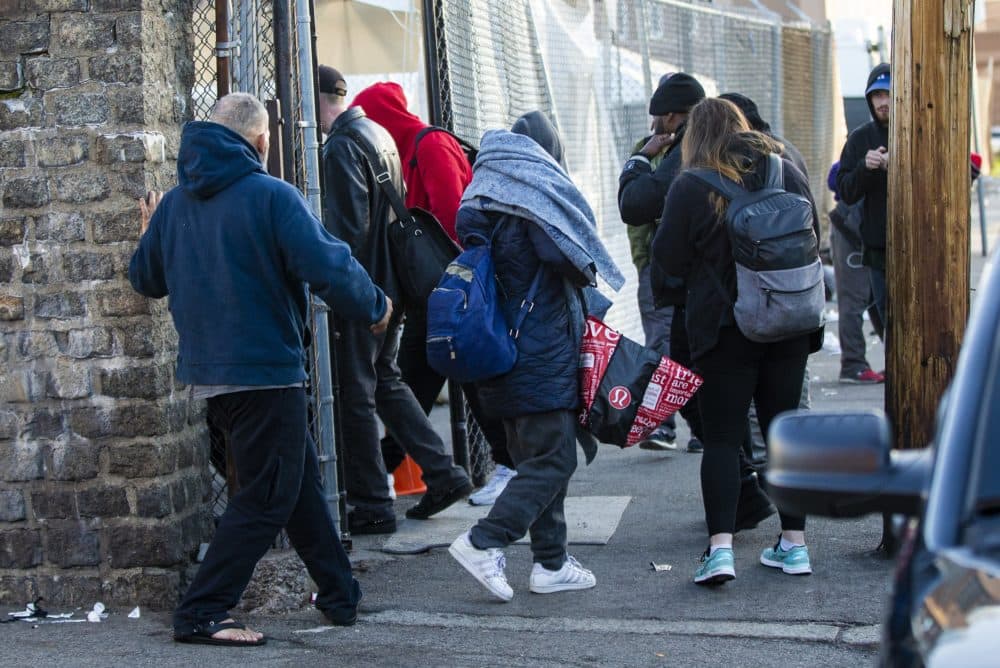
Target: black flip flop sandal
{"x":202,"y":635}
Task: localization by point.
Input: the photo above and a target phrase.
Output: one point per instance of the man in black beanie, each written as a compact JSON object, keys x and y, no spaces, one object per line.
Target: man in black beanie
{"x":643,"y":186}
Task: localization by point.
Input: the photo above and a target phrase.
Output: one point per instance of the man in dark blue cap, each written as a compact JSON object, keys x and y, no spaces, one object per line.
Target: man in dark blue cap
{"x":864,"y":165}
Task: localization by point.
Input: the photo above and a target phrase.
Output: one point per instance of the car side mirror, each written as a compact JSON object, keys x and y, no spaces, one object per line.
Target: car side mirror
{"x":842,"y":465}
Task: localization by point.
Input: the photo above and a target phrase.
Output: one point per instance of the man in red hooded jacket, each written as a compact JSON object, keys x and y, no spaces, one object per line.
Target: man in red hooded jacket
{"x":436,"y":171}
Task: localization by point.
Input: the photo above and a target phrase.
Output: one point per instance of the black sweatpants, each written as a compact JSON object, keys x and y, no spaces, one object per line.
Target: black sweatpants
{"x":735,"y":371}
{"x":280,"y":488}
{"x":543,"y":447}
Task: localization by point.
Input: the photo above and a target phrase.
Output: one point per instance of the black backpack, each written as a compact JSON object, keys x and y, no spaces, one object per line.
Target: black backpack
{"x":779,"y":275}
{"x":471,"y":152}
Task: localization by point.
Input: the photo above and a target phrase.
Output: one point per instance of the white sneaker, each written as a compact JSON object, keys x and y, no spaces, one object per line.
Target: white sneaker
{"x":497,"y":483}
{"x":571,"y":576}
{"x":484,"y":565}
{"x":392,"y":486}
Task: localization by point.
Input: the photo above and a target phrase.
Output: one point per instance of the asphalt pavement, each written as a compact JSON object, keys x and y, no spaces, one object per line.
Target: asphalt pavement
{"x":424,"y":610}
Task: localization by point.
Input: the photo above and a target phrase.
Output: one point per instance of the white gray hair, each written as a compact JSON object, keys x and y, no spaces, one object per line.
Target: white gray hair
{"x":242,"y":113}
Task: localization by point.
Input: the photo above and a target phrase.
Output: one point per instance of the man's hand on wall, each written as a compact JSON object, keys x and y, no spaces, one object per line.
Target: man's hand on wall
{"x":147,"y":205}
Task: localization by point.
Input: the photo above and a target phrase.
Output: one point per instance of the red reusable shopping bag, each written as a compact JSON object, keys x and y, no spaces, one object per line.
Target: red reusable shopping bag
{"x":627,"y":390}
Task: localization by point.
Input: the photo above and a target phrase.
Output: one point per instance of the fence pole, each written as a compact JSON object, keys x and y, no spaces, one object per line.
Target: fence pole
{"x":432,"y":64}
{"x":321,"y":331}
{"x":223,"y":47}
{"x":432,"y":71}
{"x":283,"y":85}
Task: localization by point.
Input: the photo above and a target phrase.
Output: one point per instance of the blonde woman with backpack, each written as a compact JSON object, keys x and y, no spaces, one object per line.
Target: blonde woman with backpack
{"x":693,"y":243}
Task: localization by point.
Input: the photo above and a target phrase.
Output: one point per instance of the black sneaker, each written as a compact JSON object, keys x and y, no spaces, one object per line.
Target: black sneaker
{"x":434,"y":501}
{"x":661,"y":438}
{"x":694,"y":445}
{"x":366,"y":523}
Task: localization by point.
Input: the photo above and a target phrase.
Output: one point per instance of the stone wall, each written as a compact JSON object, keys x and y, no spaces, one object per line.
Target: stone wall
{"x":102,"y":457}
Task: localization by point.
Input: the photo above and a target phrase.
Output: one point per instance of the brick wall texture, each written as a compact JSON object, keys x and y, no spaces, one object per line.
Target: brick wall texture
{"x":102,"y":456}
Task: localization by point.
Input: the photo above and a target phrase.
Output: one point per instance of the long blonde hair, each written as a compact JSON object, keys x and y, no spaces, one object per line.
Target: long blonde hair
{"x":708,"y":143}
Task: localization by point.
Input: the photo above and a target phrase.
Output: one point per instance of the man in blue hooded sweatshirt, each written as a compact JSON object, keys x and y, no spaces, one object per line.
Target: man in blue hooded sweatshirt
{"x":235,"y":250}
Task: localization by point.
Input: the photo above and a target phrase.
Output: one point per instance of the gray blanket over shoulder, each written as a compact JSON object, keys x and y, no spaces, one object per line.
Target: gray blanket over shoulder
{"x":515,"y":175}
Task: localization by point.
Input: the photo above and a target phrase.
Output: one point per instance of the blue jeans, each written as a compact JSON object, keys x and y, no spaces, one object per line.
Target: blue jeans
{"x":279,"y":488}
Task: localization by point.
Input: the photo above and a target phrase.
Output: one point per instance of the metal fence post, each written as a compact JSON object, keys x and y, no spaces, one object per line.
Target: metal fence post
{"x":321,"y":332}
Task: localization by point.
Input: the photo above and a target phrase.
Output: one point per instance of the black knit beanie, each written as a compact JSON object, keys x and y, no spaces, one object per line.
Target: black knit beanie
{"x":676,"y":95}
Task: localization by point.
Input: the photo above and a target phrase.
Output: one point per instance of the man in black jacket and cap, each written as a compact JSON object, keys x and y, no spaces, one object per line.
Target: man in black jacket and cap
{"x":642,"y":187}
{"x":864,"y":174}
{"x":357,"y":210}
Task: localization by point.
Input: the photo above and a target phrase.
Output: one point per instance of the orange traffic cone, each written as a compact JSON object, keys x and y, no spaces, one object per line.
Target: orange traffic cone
{"x":408,"y":478}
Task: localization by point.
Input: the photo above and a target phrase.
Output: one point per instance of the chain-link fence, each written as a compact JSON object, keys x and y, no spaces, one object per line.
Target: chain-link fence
{"x":243,"y":56}
{"x":592,"y":68}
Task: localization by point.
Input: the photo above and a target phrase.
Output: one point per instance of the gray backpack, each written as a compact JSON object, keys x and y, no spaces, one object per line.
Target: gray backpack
{"x":779,"y":276}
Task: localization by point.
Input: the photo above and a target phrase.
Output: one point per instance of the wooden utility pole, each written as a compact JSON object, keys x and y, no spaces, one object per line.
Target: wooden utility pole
{"x":928,"y":228}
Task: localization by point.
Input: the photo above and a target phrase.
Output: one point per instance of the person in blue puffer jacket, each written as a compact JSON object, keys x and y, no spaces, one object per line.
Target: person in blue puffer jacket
{"x":521,"y":196}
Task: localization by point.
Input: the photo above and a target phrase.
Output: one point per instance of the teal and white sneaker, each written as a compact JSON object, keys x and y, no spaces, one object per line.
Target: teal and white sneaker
{"x":715,"y":568}
{"x":794,"y":562}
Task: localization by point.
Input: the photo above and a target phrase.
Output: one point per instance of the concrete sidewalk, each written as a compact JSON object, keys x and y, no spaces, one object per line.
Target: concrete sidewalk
{"x":425,"y":610}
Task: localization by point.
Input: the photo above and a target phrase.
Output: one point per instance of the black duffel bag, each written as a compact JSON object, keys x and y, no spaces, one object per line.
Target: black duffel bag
{"x":419,"y":246}
{"x":421,"y":250}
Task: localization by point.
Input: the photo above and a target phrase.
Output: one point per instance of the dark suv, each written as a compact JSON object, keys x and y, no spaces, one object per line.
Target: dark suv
{"x":945,"y":604}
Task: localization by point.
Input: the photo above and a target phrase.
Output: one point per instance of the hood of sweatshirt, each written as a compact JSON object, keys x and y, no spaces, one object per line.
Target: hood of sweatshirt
{"x":385,"y":103}
{"x":212,"y":157}
{"x":879,"y":71}
{"x":537,"y":125}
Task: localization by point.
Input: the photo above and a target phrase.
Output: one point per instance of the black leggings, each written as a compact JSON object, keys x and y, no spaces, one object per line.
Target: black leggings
{"x":735,"y":371}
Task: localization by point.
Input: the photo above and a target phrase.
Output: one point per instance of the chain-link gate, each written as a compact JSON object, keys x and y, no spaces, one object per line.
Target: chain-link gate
{"x":245,"y":55}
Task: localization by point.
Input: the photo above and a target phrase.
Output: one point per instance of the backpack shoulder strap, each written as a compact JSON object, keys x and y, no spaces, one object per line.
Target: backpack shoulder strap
{"x":775,"y":172}
{"x":382,"y":176}
{"x":462,"y":144}
{"x":722,"y":185}
{"x":420,"y":135}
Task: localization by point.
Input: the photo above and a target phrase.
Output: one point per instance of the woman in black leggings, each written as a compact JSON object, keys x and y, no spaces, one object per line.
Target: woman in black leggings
{"x":692,"y":242}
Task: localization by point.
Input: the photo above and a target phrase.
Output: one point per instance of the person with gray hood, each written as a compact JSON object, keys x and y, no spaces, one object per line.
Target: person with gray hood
{"x":540,"y":227}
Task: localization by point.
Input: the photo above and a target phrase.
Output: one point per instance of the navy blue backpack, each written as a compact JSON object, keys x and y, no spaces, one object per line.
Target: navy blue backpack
{"x":468,"y":338}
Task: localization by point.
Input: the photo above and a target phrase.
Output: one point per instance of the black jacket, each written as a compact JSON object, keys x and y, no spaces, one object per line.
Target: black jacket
{"x":855,"y":182}
{"x":641,"y":194}
{"x":354,"y":207}
{"x":692,"y":242}
{"x":641,"y":190}
{"x":544,"y":378}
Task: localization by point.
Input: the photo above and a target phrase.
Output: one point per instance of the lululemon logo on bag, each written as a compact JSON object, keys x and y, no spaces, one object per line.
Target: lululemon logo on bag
{"x":620,"y":397}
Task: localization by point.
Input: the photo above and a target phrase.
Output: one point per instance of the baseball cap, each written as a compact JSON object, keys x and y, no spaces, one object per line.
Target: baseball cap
{"x":331,"y":81}
{"x":882,"y":82}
